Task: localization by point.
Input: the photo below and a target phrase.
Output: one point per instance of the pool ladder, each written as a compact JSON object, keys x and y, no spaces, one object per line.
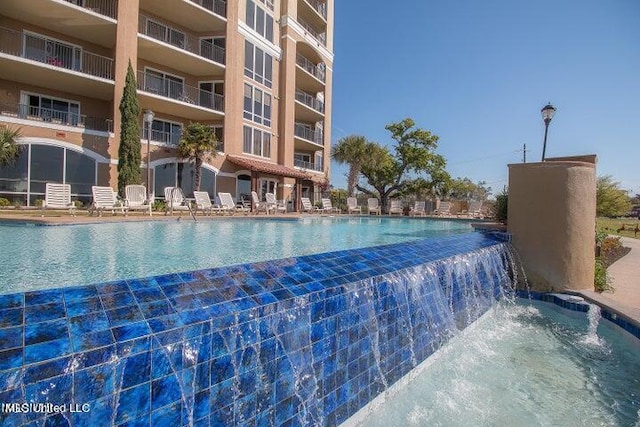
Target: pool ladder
{"x":173,"y":190}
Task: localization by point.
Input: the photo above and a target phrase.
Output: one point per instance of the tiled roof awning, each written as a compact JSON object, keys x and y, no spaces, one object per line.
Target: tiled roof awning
{"x":266,"y":167}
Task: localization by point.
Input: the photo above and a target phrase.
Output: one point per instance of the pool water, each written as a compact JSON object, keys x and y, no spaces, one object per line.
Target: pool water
{"x":39,"y":257}
{"x":522,"y":365}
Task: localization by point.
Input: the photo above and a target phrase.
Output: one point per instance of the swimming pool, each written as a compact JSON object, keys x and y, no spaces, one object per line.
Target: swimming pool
{"x":40,"y":257}
{"x":530,"y":363}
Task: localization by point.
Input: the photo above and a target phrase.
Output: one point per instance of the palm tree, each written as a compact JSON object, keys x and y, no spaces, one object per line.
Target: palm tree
{"x":198,"y":141}
{"x":9,"y":148}
{"x":351,"y":150}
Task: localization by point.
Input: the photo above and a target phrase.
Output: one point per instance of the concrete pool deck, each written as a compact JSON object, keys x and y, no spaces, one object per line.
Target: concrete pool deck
{"x":625,"y":278}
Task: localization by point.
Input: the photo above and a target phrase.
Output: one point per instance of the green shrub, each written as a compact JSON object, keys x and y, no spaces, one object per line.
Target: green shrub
{"x":159,"y":205}
{"x":78,"y":204}
{"x":4,"y":202}
{"x":602,"y":281}
{"x":39,"y":203}
{"x":501,"y":207}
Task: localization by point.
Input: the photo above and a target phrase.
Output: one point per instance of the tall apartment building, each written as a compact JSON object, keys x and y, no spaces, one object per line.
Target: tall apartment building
{"x":258,"y":71}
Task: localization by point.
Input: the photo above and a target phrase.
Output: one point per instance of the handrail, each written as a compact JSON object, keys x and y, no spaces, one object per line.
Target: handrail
{"x":219,"y":7}
{"x":169,"y":138}
{"x":321,"y":37}
{"x":54,"y":53}
{"x":303,"y":131}
{"x":317,"y":70}
{"x":309,"y":101}
{"x":319,"y":6}
{"x":40,"y":114}
{"x":179,"y":91}
{"x":307,"y":165}
{"x":183,"y":40}
{"x":103,"y":7}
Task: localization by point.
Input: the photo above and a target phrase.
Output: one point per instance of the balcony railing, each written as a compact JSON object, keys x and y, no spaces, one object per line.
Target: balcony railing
{"x":310,"y":101}
{"x":317,"y":71}
{"x":49,"y":115}
{"x":321,"y":37}
{"x":319,"y":6}
{"x":307,"y":165}
{"x":179,"y":91}
{"x":58,"y":54}
{"x":219,"y":7}
{"x":305,"y":132}
{"x":169,"y":138}
{"x":103,"y":7}
{"x":189,"y":42}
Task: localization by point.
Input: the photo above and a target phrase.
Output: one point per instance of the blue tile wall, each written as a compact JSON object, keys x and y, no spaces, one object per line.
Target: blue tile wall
{"x":561,"y":300}
{"x":300,"y":341}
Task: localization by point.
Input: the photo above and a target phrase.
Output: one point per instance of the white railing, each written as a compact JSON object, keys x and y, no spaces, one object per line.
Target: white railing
{"x":103,"y":7}
{"x":179,"y":91}
{"x":219,"y":7}
{"x":319,"y":6}
{"x":318,"y":71}
{"x":308,"y":133}
{"x":65,"y":118}
{"x":309,"y":101}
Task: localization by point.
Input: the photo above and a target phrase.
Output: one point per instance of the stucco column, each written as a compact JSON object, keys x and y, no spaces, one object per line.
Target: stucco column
{"x":552,"y":212}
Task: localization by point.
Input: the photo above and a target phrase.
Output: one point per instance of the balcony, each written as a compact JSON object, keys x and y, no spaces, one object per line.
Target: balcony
{"x":189,"y":101}
{"x":309,"y":75}
{"x":314,"y":12}
{"x":190,"y":54}
{"x":90,"y":20}
{"x":62,"y":118}
{"x":168,"y":138}
{"x":316,"y":34}
{"x":308,"y":138}
{"x":200,"y":16}
{"x":29,"y":58}
{"x":219,"y":7}
{"x":317,"y":167}
{"x":308,"y":108}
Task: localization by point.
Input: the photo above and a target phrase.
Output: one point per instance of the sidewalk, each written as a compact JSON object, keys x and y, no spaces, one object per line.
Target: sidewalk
{"x":625,"y":278}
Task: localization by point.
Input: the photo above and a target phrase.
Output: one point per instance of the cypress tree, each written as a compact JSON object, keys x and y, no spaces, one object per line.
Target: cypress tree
{"x":129,"y":157}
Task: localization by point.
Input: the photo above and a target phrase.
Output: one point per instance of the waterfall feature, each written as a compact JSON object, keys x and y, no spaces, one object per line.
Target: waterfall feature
{"x":300,"y":341}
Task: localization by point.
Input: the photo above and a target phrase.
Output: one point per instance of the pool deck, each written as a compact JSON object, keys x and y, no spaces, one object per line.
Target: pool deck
{"x":625,"y":278}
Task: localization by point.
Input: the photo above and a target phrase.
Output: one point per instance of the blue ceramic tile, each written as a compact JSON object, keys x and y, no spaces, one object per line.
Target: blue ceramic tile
{"x":11,"y":337}
{"x":11,"y":358}
{"x":11,"y":301}
{"x":131,"y":331}
{"x":124,"y":315}
{"x":11,"y":317}
{"x":45,"y":331}
{"x":164,"y":391}
{"x":117,"y":300}
{"x":79,"y":292}
{"x":43,"y":312}
{"x":112,"y":287}
{"x":160,"y":324}
{"x":156,"y":309}
{"x":80,"y":307}
{"x":91,"y":322}
{"x":134,"y":403}
{"x":136,"y":369}
{"x":43,"y":297}
{"x":95,"y":382}
{"x":46,"y":350}
{"x":91,"y":340}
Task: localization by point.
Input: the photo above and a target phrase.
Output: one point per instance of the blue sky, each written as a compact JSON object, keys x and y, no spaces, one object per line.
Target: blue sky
{"x":477,"y":74}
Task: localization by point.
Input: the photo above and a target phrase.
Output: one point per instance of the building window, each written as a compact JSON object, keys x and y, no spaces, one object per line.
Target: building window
{"x":258,"y":65}
{"x":257,"y":105}
{"x":164,"y":84}
{"x":182,"y":175}
{"x":53,"y":52}
{"x":259,"y":20}
{"x":164,"y":131}
{"x":25,"y":180}
{"x":212,"y":95}
{"x":213,"y":48}
{"x":52,"y":109}
{"x":256,"y":142}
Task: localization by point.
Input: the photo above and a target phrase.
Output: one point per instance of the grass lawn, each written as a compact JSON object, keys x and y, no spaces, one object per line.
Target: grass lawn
{"x":611,"y":226}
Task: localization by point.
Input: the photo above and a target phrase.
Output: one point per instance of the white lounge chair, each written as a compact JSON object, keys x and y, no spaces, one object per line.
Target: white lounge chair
{"x":136,"y":199}
{"x":257,"y":204}
{"x":395,"y":208}
{"x":474,"y":210}
{"x":373,"y":206}
{"x":418,"y":209}
{"x":104,"y":198}
{"x":203,"y":203}
{"x":307,"y":206}
{"x":174,"y":200}
{"x":443,"y":209}
{"x":229,"y":205}
{"x":352,"y":205}
{"x":273,"y":205}
{"x":58,"y":196}
{"x":327,"y":207}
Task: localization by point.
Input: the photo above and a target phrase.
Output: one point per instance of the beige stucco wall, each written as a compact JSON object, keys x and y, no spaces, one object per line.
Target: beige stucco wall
{"x":552,"y":211}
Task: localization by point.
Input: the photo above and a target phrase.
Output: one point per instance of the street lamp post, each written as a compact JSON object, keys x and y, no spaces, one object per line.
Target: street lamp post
{"x":148,"y":119}
{"x":547,"y":114}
